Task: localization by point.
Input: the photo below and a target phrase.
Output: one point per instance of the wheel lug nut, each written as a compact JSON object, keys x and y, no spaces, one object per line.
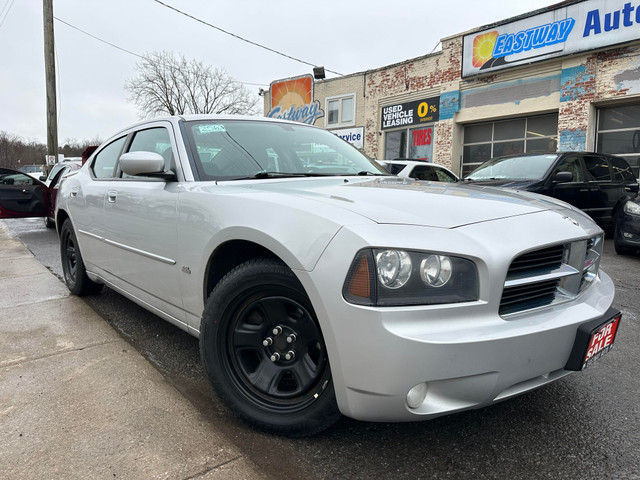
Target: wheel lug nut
{"x":277,"y":330}
{"x":290,"y":355}
{"x":267,"y":341}
{"x":275,"y":357}
{"x":291,"y":338}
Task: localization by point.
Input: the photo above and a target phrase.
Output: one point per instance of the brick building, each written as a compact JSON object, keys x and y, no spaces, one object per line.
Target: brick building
{"x":566,"y":77}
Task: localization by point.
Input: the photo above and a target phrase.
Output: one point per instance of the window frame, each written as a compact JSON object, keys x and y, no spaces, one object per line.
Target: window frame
{"x":340,"y":99}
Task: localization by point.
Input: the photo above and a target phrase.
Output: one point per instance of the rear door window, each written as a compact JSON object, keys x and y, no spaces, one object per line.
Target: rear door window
{"x":622,"y":170}
{"x":598,"y":168}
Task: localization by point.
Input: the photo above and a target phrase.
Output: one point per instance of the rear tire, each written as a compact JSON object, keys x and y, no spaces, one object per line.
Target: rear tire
{"x":260,"y":380}
{"x":49,"y":222}
{"x":75,"y":275}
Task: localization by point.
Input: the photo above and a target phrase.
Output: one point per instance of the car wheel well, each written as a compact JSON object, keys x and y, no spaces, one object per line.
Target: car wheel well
{"x":62,"y":216}
{"x":228,"y":256}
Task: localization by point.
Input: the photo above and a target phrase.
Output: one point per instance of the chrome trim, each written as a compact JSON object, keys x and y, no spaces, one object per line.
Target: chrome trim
{"x":127,"y":248}
{"x":144,"y":253}
{"x":561,"y":272}
{"x":92,"y":235}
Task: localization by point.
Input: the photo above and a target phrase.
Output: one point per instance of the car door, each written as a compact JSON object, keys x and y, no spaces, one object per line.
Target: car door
{"x":22,"y":196}
{"x":603,"y":191}
{"x":141,"y":226}
{"x":86,"y":205}
{"x":575,"y":192}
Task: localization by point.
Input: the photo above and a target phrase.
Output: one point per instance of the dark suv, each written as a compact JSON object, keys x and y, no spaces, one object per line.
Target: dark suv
{"x":596,"y":183}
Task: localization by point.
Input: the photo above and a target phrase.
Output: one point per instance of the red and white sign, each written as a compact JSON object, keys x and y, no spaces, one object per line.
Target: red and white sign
{"x":601,"y":341}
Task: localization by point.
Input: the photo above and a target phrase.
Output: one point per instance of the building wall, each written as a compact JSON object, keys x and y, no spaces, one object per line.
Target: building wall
{"x":573,"y":86}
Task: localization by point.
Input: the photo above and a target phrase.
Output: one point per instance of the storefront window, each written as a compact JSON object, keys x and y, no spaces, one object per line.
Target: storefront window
{"x":619,"y":133}
{"x":419,"y":146}
{"x":483,"y":141}
{"x":395,"y":144}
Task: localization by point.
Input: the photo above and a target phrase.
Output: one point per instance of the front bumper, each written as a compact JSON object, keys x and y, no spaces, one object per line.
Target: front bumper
{"x":466,"y":354}
{"x":628,"y":232}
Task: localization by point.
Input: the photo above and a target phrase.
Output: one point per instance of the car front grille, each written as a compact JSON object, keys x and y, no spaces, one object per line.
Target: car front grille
{"x":550,"y":275}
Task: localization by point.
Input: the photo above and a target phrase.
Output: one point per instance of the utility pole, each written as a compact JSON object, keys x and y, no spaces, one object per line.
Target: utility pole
{"x":50,"y":78}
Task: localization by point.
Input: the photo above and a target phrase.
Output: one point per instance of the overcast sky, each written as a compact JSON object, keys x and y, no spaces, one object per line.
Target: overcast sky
{"x":344,"y":36}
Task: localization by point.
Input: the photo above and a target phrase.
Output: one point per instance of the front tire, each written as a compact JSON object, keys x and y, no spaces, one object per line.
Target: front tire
{"x":263,"y":351}
{"x":75,"y":275}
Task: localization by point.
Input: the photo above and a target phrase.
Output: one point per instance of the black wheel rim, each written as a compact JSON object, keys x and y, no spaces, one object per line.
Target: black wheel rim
{"x":70,"y":259}
{"x":262,"y":334}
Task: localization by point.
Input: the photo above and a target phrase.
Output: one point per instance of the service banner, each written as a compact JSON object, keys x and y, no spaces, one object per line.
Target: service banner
{"x":411,"y":113}
{"x":355,"y":136}
{"x":583,"y":26}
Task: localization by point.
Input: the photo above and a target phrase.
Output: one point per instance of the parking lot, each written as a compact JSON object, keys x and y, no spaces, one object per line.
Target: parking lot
{"x":585,"y":426}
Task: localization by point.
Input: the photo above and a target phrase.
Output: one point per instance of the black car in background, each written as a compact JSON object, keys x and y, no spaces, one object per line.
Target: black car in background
{"x":627,"y":235}
{"x":596,"y":183}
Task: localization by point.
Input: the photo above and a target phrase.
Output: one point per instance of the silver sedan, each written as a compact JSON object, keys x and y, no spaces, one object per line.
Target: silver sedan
{"x":319,"y":285}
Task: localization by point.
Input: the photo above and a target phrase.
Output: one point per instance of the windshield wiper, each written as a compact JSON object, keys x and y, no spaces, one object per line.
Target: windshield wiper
{"x":366,"y":173}
{"x":264,"y":174}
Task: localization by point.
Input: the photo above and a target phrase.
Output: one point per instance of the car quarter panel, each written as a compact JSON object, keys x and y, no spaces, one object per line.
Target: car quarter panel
{"x":379,"y":353}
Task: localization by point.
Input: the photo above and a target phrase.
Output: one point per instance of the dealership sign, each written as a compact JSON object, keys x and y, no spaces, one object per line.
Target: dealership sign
{"x":355,"y":136}
{"x":292,"y":99}
{"x":411,"y":113}
{"x":575,"y":28}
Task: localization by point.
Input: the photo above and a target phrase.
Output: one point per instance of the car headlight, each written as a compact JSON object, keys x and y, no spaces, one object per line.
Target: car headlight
{"x":632,"y":208}
{"x":391,"y":277}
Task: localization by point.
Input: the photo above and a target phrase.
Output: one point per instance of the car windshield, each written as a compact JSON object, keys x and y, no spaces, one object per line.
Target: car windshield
{"x":530,"y":167}
{"x":228,"y":150}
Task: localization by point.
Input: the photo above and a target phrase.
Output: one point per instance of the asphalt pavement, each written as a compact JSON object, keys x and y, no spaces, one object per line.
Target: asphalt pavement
{"x":78,"y":402}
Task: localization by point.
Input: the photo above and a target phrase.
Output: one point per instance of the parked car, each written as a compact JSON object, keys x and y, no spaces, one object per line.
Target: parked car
{"x":596,"y":183}
{"x":419,"y":170}
{"x":52,"y":181}
{"x":627,"y":233}
{"x":325,"y":289}
{"x":21,"y":195}
{"x":72,"y":164}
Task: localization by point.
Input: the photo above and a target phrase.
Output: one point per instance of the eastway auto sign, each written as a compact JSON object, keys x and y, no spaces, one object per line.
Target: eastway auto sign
{"x":575,"y":28}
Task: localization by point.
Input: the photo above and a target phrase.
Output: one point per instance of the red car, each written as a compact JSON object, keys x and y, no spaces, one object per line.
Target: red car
{"x":22,"y":196}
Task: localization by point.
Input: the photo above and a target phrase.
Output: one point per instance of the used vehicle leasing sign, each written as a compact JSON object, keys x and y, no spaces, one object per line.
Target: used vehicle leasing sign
{"x":575,"y":28}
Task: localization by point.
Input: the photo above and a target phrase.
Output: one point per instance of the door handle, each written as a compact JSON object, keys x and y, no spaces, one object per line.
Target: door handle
{"x":111,"y":196}
{"x":25,"y":191}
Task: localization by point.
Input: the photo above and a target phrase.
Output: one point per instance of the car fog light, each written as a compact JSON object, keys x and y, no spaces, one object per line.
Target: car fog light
{"x":627,"y":235}
{"x":416,"y":395}
{"x":435,"y":270}
{"x":394,"y":268}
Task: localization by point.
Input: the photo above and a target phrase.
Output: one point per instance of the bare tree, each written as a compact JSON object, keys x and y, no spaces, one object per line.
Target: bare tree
{"x":174,"y":85}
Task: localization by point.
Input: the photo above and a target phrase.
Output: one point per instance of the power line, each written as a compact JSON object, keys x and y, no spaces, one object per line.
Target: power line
{"x":241,"y":38}
{"x":129,"y":51}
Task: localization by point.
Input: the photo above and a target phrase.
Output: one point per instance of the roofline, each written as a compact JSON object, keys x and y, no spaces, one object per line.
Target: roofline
{"x":498,"y":23}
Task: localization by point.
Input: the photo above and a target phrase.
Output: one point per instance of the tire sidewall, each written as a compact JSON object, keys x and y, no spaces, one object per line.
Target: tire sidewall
{"x":259,"y":277}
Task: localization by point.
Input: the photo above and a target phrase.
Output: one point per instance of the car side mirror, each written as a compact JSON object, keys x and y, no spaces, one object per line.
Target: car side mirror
{"x":150,"y":164}
{"x":43,"y":178}
{"x":563,"y":177}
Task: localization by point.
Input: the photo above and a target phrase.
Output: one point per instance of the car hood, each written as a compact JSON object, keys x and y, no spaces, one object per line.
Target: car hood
{"x":404,"y":201}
